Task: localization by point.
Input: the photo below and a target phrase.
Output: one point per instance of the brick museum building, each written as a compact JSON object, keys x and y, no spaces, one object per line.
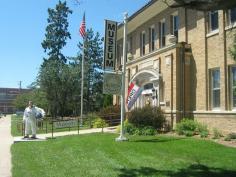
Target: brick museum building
{"x":7,"y":97}
{"x":182,"y":57}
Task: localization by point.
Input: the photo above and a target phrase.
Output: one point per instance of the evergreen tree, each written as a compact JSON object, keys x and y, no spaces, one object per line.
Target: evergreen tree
{"x":56,"y":78}
{"x":93,"y":76}
{"x":57,"y":31}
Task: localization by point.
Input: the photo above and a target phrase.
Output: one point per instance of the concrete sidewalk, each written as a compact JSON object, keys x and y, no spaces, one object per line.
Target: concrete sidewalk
{"x":57,"y":134}
{"x":6,"y":141}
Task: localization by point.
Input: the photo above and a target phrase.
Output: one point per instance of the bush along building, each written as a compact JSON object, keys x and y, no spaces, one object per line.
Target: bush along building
{"x":181,"y":59}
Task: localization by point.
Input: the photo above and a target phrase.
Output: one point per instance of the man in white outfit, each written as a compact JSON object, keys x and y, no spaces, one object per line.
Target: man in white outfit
{"x":30,"y":120}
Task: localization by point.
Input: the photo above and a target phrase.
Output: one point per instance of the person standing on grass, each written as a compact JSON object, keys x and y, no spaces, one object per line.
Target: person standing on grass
{"x":30,"y":120}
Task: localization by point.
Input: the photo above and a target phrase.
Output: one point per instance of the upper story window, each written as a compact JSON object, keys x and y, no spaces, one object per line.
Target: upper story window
{"x":231,"y":18}
{"x":151,"y":38}
{"x":130,"y":45}
{"x":233,"y":87}
{"x":213,"y":21}
{"x":162,"y":31}
{"x":174,"y":25}
{"x":215,"y":88}
{"x":142,"y":43}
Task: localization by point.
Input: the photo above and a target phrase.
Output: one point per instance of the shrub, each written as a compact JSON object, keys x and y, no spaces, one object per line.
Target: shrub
{"x":216,"y":134}
{"x":149,"y":130}
{"x":89,"y":121}
{"x":147,"y":116}
{"x":230,"y":136}
{"x":202,"y":130}
{"x":99,"y":123}
{"x":186,"y":127}
{"x":132,"y":130}
{"x":189,"y":127}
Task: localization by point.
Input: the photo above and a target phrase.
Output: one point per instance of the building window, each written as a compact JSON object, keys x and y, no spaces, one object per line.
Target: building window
{"x":215,"y":88}
{"x":130,"y":45}
{"x":142,"y":43}
{"x":151,"y":39}
{"x":174,"y":26}
{"x":233,"y":87}
{"x":231,"y":16}
{"x":213,"y":21}
{"x":162,"y":30}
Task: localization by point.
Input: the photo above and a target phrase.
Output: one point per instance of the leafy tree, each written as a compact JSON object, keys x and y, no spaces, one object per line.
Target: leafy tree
{"x":56,"y":78}
{"x":36,"y":95}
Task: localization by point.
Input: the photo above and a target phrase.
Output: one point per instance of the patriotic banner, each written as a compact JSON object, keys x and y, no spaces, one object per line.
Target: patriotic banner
{"x":134,"y":92}
{"x":82,"y":29}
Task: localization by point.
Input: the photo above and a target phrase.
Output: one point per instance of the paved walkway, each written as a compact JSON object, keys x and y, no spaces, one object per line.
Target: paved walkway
{"x":57,"y":134}
{"x":6,"y":141}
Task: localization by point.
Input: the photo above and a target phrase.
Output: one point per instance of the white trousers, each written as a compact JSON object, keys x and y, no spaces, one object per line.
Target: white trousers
{"x":30,"y":124}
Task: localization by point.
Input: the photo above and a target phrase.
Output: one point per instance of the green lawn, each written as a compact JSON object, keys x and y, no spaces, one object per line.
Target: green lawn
{"x":98,"y":155}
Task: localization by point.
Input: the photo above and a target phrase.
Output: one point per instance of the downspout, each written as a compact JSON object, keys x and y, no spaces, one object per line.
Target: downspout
{"x":171,"y":98}
{"x":225,"y":65}
{"x":206,"y":65}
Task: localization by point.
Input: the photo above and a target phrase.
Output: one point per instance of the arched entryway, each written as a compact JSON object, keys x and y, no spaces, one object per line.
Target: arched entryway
{"x":149,"y":80}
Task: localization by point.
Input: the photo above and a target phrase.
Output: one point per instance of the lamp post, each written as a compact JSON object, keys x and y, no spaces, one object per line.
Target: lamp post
{"x":122,"y":137}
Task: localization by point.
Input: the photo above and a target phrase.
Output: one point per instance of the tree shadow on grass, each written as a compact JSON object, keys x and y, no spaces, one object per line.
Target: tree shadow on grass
{"x":195,"y":170}
{"x":156,"y":140}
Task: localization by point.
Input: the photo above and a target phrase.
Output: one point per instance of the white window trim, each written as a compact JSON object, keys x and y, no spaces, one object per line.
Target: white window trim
{"x":230,"y":25}
{"x":231,"y":87}
{"x":210,"y":31}
{"x":212,"y":89}
{"x":173,"y":23}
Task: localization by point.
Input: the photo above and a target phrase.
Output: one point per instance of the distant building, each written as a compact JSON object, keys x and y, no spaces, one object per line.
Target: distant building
{"x":7,"y":97}
{"x":182,"y":57}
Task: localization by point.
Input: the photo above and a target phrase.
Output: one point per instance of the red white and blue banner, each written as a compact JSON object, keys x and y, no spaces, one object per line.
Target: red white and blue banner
{"x":134,"y":92}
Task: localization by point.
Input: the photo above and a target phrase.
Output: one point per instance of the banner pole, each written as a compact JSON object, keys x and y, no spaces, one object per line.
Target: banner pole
{"x":122,"y":137}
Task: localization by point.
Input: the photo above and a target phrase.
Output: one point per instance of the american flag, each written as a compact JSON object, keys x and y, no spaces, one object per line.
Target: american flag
{"x":82,"y":29}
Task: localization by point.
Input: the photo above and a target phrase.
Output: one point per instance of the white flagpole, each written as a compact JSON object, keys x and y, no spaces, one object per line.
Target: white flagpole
{"x":82,"y":86}
{"x":122,"y":102}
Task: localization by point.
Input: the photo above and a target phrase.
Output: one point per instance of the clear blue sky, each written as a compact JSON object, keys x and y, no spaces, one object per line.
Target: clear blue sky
{"x":22,"y":30}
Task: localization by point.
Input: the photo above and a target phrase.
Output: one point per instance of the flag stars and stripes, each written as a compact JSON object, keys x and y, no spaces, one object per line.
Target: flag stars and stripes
{"x":82,"y":29}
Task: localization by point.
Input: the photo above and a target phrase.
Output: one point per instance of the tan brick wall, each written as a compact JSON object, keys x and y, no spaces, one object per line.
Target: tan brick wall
{"x":208,"y":52}
{"x":223,"y":122}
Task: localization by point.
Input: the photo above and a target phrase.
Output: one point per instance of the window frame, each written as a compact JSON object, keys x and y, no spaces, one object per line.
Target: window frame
{"x":210,"y":25}
{"x":175,"y":28}
{"x":162,"y":32}
{"x":152,"y":38}
{"x":232,"y":87}
{"x":215,"y":89}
